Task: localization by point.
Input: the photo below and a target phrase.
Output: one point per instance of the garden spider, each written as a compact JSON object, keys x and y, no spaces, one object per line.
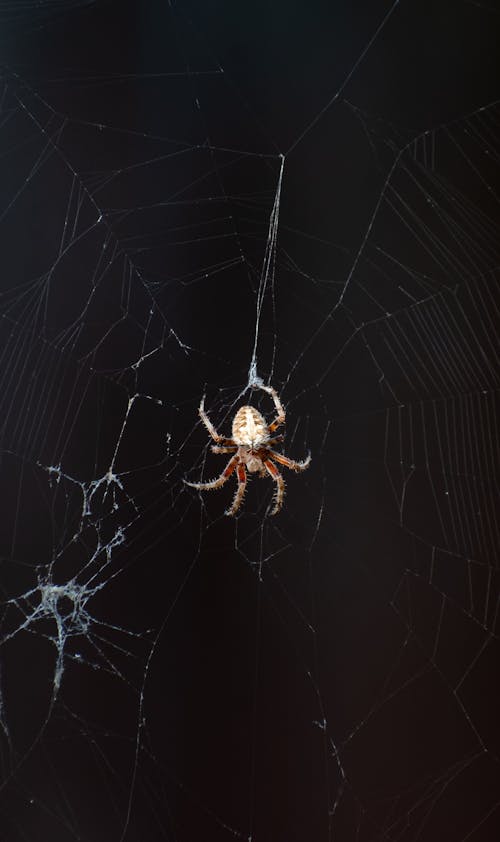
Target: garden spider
{"x":251,"y":445}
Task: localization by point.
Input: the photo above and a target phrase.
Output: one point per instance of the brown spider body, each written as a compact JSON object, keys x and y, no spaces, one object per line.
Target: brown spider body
{"x":251,"y":446}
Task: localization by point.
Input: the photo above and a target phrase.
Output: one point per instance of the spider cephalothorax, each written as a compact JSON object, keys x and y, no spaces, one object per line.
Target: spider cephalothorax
{"x":251,"y":446}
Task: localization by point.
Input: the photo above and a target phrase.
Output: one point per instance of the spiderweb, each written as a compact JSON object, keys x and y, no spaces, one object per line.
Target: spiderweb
{"x":172,"y":229}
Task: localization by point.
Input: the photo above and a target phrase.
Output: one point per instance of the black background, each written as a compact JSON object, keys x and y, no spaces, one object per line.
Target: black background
{"x":168,"y":673}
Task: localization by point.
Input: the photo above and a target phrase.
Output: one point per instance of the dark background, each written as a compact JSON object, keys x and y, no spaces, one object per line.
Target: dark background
{"x":168,"y":673}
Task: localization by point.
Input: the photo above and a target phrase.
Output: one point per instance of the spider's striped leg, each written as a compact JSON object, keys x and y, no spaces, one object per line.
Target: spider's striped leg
{"x":274,"y":440}
{"x":210,"y":427}
{"x":291,"y":463}
{"x":280,"y":485}
{"x":240,"y":491}
{"x":216,"y":449}
{"x":280,"y":410}
{"x":216,"y":483}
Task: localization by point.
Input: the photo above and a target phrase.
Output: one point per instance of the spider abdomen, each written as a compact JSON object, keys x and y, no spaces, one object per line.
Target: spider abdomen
{"x":249,"y":427}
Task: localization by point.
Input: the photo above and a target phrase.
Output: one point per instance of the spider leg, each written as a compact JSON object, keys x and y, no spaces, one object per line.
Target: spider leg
{"x":210,"y":427}
{"x":240,"y":491}
{"x":230,"y":449}
{"x":281,"y":415}
{"x":274,"y":440}
{"x":280,"y":485}
{"x":290,"y":463}
{"x":216,"y":483}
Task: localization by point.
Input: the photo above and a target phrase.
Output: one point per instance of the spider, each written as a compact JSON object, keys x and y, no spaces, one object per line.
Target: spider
{"x":251,"y":445}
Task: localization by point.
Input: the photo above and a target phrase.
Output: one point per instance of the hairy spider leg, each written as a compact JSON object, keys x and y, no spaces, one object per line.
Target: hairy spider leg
{"x":280,"y":485}
{"x":291,"y":463}
{"x":281,"y":414}
{"x":210,"y":427}
{"x":216,"y":483}
{"x":240,"y":491}
{"x":274,"y":440}
{"x":229,"y":449}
